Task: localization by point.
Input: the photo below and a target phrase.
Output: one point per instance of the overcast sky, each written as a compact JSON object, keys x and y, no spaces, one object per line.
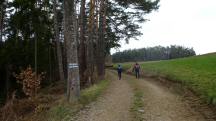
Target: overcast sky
{"x":191,"y":23}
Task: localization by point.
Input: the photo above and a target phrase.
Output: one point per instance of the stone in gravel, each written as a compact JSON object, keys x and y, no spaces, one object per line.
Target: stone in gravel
{"x":141,"y":110}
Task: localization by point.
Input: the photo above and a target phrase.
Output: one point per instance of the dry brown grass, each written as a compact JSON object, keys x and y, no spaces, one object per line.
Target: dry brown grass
{"x":7,"y":113}
{"x":28,"y":109}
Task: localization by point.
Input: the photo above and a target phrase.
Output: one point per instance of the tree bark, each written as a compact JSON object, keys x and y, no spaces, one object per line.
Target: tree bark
{"x":8,"y":76}
{"x":58,"y":45}
{"x":1,"y":23}
{"x":1,"y":19}
{"x":82,"y":48}
{"x":73,"y":79}
{"x":101,"y":41}
{"x":90,"y":48}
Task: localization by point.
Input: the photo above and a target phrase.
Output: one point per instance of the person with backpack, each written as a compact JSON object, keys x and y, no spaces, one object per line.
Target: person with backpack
{"x":136,"y":68}
{"x":119,"y":70}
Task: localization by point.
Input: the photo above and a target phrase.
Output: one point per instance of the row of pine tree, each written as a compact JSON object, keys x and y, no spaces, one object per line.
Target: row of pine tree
{"x":153,"y":54}
{"x":66,"y":39}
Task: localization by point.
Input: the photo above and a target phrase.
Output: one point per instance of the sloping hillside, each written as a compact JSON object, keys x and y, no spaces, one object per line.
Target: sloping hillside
{"x":198,"y":73}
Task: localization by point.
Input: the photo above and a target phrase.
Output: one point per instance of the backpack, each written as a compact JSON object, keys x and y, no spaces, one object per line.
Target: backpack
{"x":137,"y":67}
{"x":119,"y":69}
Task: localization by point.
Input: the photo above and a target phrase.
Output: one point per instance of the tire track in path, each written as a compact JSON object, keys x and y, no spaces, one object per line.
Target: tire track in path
{"x":161,"y":104}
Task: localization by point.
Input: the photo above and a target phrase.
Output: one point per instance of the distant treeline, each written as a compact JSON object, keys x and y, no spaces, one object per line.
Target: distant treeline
{"x":153,"y":54}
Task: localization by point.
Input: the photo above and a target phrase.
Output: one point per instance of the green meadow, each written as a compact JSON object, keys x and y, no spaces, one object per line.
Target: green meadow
{"x":198,"y":73}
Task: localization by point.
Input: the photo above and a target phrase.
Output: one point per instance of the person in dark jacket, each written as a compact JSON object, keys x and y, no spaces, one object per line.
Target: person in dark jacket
{"x":119,"y":69}
{"x":136,"y":68}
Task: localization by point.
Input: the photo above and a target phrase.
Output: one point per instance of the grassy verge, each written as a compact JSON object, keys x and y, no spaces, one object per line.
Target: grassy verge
{"x":137,"y":105}
{"x":197,"y":73}
{"x":64,"y":111}
{"x":90,"y":94}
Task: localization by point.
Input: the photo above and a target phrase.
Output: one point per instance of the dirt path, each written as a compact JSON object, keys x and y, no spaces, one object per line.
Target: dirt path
{"x":114,"y":105}
{"x":160,"y":104}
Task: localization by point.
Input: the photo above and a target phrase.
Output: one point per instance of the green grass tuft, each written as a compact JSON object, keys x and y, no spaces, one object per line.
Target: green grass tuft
{"x":60,"y":112}
{"x":90,"y":94}
{"x":137,"y":105}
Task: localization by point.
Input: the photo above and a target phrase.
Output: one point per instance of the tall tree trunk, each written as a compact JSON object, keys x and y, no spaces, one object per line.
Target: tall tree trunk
{"x":1,"y":22}
{"x":8,"y":80}
{"x":2,"y":9}
{"x":50,"y":64}
{"x":90,"y":46}
{"x":97,"y":33}
{"x":58,"y":45}
{"x":64,"y":50}
{"x":101,"y":41}
{"x":73,"y":80}
{"x":36,"y":56}
{"x":82,"y":49}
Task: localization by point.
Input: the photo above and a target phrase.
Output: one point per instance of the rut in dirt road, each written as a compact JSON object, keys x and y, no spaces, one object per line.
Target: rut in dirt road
{"x":114,"y":105}
{"x":160,"y":104}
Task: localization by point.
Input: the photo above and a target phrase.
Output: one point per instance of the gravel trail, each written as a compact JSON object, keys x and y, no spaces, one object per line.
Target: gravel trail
{"x":114,"y":105}
{"x":160,"y":104}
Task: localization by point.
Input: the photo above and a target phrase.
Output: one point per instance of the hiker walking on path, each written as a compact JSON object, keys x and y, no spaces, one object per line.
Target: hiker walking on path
{"x":136,"y":68}
{"x":119,"y":69}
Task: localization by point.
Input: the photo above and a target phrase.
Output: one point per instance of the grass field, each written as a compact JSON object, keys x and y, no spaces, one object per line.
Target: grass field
{"x":197,"y":73}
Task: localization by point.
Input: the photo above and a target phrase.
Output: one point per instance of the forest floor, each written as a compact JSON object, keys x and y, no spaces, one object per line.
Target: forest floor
{"x":158,"y":103}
